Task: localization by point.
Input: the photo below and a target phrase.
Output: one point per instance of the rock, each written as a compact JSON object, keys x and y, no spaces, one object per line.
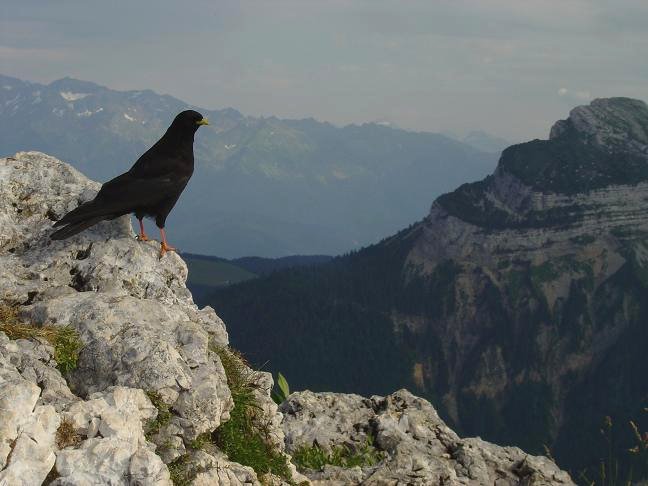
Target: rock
{"x":418,"y":447}
{"x":34,"y":362}
{"x":114,"y":447}
{"x":217,"y":470}
{"x":612,"y":123}
{"x":132,"y":310}
{"x":140,"y":332}
{"x":27,"y":428}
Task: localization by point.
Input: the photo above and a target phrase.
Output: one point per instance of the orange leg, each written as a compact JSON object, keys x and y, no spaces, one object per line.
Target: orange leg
{"x":142,"y":236}
{"x":165,"y":246}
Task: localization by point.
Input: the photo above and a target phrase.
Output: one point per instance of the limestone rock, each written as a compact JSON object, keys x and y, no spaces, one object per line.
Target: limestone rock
{"x":27,"y":430}
{"x":132,"y":310}
{"x":418,"y":447}
{"x":114,"y":447}
{"x":139,"y":328}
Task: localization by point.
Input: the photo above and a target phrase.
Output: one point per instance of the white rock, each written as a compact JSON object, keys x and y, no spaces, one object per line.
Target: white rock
{"x":418,"y":447}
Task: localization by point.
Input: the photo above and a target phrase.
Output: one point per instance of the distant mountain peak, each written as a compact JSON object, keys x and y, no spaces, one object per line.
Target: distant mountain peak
{"x":600,"y":146}
{"x":608,"y":122}
{"x":68,"y":84}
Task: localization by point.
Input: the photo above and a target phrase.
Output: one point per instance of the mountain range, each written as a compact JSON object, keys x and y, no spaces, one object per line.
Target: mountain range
{"x":262,"y":186}
{"x":517,"y":305}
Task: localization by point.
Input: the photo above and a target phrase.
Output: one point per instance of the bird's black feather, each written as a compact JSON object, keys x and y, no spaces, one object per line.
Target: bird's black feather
{"x":150,"y":188}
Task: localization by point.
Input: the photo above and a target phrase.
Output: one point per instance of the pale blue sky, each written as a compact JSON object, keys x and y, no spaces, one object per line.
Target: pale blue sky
{"x":510,"y":67}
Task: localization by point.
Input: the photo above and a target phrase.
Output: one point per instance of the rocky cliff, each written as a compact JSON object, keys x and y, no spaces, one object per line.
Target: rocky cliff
{"x":109,"y":374}
{"x":517,"y":306}
{"x":547,"y":265}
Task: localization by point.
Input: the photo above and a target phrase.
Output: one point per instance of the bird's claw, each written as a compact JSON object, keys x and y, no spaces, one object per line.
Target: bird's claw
{"x":143,"y":237}
{"x":164,"y":248}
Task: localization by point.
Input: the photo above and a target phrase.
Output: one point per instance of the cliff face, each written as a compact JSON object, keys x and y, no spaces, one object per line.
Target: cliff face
{"x":517,"y":306}
{"x":150,"y":385}
{"x":545,"y":268}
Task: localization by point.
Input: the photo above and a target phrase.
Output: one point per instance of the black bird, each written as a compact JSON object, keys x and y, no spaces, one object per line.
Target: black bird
{"x":150,"y":188}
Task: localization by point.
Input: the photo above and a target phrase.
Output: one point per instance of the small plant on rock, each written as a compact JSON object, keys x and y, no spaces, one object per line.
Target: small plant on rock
{"x":314,"y":457}
{"x":281,"y":390}
{"x":179,"y":471}
{"x":64,"y":339}
{"x":162,"y":418}
{"x":245,"y":436}
{"x":67,"y":435}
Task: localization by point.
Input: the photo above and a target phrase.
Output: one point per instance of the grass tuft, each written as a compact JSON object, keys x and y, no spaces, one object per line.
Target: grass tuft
{"x":201,"y":442}
{"x":315,"y":458}
{"x":66,"y":434}
{"x":179,"y":471}
{"x":245,"y":436}
{"x":64,"y":339}
{"x":162,"y":418}
{"x":618,"y":471}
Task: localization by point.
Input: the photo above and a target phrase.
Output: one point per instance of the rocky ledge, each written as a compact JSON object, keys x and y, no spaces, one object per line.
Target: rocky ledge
{"x":147,"y":387}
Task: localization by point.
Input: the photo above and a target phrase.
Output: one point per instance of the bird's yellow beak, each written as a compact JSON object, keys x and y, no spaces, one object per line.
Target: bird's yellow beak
{"x":204,"y":121}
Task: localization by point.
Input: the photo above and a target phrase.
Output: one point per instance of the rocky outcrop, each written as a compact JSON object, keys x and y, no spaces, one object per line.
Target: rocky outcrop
{"x":543,"y":266}
{"x":419,"y":448}
{"x":147,"y":350}
{"x":140,"y":332}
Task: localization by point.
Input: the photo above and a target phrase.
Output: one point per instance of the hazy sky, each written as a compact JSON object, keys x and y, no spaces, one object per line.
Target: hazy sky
{"x":510,"y":67}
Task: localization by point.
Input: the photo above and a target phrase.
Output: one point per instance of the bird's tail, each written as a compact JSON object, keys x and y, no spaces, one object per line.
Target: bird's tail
{"x":83,"y":212}
{"x":74,"y":228}
{"x":82,"y":217}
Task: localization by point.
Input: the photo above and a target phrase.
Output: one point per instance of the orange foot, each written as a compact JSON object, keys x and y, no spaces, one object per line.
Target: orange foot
{"x":164,"y":248}
{"x":143,"y":237}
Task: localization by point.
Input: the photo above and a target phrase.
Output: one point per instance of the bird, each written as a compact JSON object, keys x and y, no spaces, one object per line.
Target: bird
{"x":149,"y":189}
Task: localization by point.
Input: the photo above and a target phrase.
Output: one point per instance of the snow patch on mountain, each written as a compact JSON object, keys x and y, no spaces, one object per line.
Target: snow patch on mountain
{"x":69,"y":96}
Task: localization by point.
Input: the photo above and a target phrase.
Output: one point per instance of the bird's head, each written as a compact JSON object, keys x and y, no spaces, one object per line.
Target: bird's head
{"x":189,"y":120}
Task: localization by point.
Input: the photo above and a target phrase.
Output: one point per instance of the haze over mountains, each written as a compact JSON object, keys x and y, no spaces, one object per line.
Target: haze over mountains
{"x":262,"y":186}
{"x":518,"y":305}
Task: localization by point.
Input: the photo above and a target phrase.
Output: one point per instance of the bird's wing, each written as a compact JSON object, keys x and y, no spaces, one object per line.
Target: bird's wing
{"x":163,"y":159}
{"x":127,"y":191}
{"x":124,"y":194}
{"x":145,"y":164}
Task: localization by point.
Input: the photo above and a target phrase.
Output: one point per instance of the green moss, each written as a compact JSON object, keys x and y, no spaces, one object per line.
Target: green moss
{"x":162,"y":418}
{"x":245,"y":436}
{"x":314,"y":457}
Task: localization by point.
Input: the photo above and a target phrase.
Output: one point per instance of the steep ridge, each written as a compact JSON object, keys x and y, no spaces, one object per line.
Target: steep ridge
{"x":150,"y":386}
{"x":517,"y":305}
{"x":550,"y":254}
